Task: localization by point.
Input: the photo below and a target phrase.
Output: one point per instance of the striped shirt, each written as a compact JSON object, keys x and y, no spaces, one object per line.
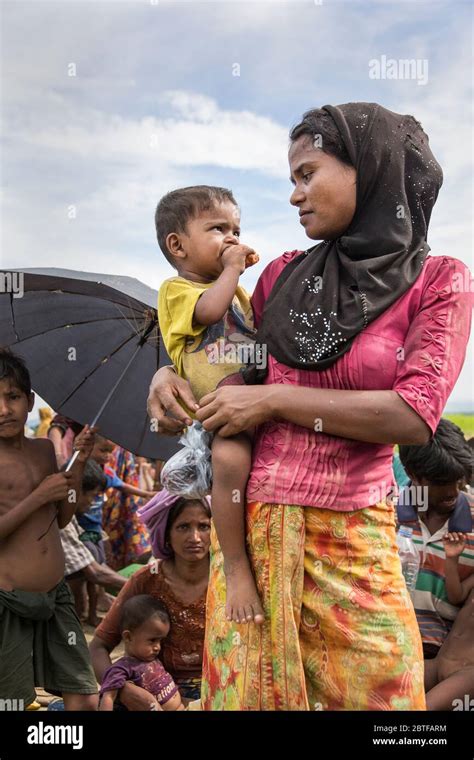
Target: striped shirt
{"x":434,"y":612}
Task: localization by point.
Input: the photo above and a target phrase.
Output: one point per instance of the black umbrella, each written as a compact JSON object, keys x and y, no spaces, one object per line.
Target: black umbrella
{"x":92,"y":344}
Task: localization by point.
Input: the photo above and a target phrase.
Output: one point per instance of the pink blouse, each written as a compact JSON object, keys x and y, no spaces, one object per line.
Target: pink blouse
{"x":416,"y":348}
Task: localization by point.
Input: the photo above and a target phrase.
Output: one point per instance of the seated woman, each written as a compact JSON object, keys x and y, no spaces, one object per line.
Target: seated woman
{"x":180,"y":534}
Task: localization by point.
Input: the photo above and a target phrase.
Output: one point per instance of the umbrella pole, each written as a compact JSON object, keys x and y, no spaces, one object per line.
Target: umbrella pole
{"x":111,"y":393}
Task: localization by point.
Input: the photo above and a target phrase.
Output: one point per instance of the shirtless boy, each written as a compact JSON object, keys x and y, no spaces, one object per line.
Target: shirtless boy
{"x":37,"y":613}
{"x":449,"y":677}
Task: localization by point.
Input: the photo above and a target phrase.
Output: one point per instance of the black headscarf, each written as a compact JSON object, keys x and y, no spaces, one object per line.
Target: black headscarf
{"x":377,"y":259}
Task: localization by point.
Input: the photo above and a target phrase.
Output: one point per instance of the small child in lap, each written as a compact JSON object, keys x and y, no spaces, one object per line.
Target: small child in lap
{"x":207,"y":326}
{"x":145,"y":622}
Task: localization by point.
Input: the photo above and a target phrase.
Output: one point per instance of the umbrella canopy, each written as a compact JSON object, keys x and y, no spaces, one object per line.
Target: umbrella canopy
{"x":77,"y":332}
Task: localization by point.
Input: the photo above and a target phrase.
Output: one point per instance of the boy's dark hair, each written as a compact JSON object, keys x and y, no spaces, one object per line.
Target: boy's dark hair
{"x":318,"y":122}
{"x":93,"y":477}
{"x":446,"y":458}
{"x":13,"y":368}
{"x":138,"y":609}
{"x":178,"y":207}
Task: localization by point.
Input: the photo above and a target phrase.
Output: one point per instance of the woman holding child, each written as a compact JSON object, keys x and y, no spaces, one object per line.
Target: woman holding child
{"x":180,"y":534}
{"x":366,"y":335}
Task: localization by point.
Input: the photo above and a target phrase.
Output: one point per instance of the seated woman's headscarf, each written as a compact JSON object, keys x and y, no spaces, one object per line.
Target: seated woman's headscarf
{"x":378,"y":258}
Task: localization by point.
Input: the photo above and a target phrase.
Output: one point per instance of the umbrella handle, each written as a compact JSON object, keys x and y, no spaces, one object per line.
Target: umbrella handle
{"x":72,"y":460}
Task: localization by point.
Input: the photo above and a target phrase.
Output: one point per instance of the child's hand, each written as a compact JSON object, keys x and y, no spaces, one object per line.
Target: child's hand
{"x":252,"y":258}
{"x":237,"y":256}
{"x":454,"y":544}
{"x":84,"y":443}
{"x":54,"y":487}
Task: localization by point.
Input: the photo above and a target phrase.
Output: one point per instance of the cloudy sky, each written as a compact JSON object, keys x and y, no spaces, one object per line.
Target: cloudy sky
{"x":108,"y":105}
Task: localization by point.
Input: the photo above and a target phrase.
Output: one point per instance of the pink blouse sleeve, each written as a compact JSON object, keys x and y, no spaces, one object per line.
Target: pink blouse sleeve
{"x":435,"y":345}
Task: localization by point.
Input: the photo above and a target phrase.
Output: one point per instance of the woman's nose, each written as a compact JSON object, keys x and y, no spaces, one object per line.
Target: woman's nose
{"x":296,"y":197}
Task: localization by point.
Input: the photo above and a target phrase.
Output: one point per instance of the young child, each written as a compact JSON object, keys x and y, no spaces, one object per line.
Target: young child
{"x":145,"y":622}
{"x":450,"y":675}
{"x":205,"y":318}
{"x":38,"y":621}
{"x":90,"y":517}
{"x":82,"y":572}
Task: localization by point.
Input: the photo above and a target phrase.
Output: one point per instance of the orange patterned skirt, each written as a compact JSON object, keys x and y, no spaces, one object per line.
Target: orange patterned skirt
{"x":340,"y":631}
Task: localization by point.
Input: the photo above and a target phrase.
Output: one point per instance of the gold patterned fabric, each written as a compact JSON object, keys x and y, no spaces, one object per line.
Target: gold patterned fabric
{"x":340,"y":630}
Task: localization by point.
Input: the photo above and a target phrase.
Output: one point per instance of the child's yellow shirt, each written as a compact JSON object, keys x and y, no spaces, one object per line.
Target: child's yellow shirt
{"x":204,"y":354}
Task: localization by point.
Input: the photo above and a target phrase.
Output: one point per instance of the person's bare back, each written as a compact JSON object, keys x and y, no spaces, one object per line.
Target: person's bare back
{"x":28,"y":562}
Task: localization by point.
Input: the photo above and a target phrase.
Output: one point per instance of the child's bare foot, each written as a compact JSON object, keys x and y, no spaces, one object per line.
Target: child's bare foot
{"x":243,"y":603}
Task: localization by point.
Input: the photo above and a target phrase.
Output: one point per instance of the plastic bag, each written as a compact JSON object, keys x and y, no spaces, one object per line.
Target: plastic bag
{"x":188,"y":472}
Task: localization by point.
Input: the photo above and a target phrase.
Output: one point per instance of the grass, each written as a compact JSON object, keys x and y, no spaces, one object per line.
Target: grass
{"x":465,"y":422}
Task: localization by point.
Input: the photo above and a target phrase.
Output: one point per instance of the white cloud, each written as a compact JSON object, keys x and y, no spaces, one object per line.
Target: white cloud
{"x":196,"y":133}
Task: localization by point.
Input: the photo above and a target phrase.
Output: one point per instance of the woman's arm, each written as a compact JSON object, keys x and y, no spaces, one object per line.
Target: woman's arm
{"x":100,"y":656}
{"x":370,"y":416}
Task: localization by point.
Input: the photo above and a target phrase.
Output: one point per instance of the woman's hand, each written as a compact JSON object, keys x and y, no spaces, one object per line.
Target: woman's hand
{"x":137,"y":699}
{"x":163,"y":408}
{"x":233,"y":408}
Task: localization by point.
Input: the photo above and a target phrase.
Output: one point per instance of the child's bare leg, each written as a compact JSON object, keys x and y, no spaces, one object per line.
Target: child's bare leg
{"x":457,"y":686}
{"x":81,"y":701}
{"x":231,"y":459}
{"x":174,"y":703}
